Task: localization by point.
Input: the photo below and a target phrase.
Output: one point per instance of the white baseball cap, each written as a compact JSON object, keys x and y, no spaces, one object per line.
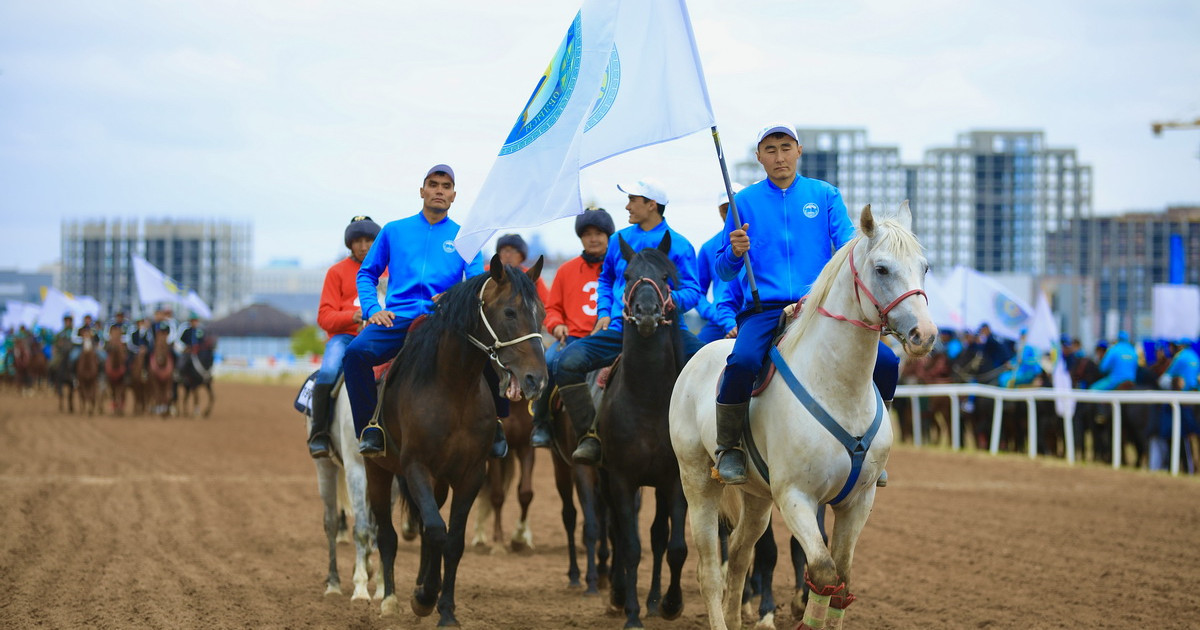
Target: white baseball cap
{"x":724,"y":196}
{"x":776,"y":128}
{"x":645,"y":187}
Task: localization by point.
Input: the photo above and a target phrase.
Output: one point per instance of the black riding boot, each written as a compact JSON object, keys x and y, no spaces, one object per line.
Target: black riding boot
{"x":578,"y":400}
{"x":541,"y":437}
{"x":318,"y":433}
{"x":499,"y":444}
{"x":731,"y":460}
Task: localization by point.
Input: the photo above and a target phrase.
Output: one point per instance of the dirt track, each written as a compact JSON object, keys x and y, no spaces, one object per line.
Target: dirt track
{"x":215,"y":523}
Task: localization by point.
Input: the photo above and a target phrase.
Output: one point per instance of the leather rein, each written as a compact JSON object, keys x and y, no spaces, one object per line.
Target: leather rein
{"x":667,"y":302}
{"x":497,"y":345}
{"x":883,"y":327}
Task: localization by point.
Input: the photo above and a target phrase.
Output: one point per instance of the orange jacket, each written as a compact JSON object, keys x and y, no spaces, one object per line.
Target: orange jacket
{"x":339,"y":299}
{"x":573,"y":297}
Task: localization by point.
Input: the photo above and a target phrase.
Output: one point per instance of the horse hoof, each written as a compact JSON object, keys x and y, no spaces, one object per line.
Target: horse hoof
{"x":419,"y":609}
{"x":519,"y":546}
{"x":672,"y":608}
{"x":766,"y":623}
{"x":332,"y":590}
{"x":360,"y":595}
{"x":448,"y":621}
{"x":634,"y":623}
{"x":390,"y":607}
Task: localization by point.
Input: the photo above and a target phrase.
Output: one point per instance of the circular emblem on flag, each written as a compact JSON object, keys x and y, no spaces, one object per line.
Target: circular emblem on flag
{"x":608,"y":90}
{"x":448,"y":246}
{"x":551,"y":94}
{"x":811,"y":210}
{"x":1011,"y":315}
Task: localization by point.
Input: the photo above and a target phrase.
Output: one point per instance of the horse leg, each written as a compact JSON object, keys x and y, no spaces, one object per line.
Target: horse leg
{"x":659,"y":529}
{"x":677,"y":551}
{"x":766,"y":556}
{"x":849,"y":520}
{"x":364,"y":532}
{"x":208,"y":388}
{"x":753,"y":521}
{"x":379,"y":497}
{"x":595,"y":530}
{"x":800,"y":566}
{"x":460,"y":507}
{"x":800,"y":514}
{"x":703,"y":497}
{"x":628,"y":545}
{"x":522,"y":539}
{"x":483,"y":506}
{"x":433,"y":539}
{"x":327,"y":484}
{"x":562,"y":483}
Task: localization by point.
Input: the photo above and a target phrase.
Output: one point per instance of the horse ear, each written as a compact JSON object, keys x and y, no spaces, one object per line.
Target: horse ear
{"x":535,"y":271}
{"x":496,"y":268}
{"x":866,"y":222}
{"x":904,"y":215}
{"x":626,"y":251}
{"x":664,"y":245}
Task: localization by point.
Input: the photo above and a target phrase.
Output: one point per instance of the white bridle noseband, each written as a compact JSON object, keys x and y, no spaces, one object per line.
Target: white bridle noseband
{"x":496,"y":343}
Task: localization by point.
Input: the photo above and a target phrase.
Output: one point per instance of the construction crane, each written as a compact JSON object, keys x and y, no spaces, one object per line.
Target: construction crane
{"x":1157,"y":127}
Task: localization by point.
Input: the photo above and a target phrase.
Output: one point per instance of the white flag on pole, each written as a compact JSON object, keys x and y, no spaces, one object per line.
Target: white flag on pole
{"x":983,"y":300}
{"x":1043,"y":335}
{"x":55,"y":305}
{"x":627,"y":75}
{"x":155,"y":286}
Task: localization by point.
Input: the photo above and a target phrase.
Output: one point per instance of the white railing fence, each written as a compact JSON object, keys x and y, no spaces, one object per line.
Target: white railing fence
{"x":957,"y":392}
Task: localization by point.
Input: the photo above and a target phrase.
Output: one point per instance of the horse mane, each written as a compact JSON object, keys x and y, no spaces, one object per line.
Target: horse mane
{"x":457,"y":311}
{"x":889,"y":234}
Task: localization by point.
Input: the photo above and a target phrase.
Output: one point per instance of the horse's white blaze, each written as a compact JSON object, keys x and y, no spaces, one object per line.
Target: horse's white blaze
{"x":808,"y":466}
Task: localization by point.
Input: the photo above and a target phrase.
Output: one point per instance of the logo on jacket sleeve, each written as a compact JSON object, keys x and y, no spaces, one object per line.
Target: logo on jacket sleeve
{"x":811,"y":210}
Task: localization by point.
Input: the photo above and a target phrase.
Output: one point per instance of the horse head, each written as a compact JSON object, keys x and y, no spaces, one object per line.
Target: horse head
{"x":649,"y":275}
{"x":511,"y":317}
{"x":891,"y":273}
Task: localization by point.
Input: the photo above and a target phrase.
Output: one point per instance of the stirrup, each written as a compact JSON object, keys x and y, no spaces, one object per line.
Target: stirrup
{"x":319,"y":446}
{"x":733,"y":479}
{"x":586,"y":456}
{"x":375,"y":446}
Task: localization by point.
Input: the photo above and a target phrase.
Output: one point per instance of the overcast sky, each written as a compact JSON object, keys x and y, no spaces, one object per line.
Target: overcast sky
{"x":296,"y":115}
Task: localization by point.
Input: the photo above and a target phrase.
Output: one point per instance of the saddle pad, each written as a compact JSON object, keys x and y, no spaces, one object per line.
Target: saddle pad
{"x":303,"y":402}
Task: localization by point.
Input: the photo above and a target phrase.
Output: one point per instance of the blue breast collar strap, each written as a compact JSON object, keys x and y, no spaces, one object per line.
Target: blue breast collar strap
{"x":855,"y":447}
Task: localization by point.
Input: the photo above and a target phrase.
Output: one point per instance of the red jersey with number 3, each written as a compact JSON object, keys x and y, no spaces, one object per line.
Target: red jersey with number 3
{"x":573,"y":297}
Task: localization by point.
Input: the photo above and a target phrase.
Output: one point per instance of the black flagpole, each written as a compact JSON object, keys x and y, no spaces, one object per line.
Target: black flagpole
{"x":736,"y":219}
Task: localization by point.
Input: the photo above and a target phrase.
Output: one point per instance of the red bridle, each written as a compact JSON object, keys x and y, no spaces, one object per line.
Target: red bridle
{"x":668,"y":303}
{"x":883,"y":326}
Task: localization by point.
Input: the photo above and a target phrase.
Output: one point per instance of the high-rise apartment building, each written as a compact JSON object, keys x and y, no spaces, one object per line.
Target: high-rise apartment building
{"x":990,"y":201}
{"x":210,"y":256}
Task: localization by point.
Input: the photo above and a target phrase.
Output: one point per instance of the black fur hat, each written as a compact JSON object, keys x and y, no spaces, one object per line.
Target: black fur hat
{"x":361,"y":227}
{"x":514,"y":241}
{"x":596,"y":217}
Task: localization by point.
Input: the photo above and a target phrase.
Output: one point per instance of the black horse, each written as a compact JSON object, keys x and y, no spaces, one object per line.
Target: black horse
{"x":440,"y":419}
{"x":62,"y":373}
{"x":195,"y":372}
{"x":632,"y":417}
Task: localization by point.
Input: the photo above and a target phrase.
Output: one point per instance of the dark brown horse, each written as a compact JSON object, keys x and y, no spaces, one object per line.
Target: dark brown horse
{"x":29,"y":361}
{"x":161,"y":375}
{"x":632,"y":416}
{"x":87,"y":373}
{"x":116,"y":368}
{"x":584,"y":480}
{"x":139,"y":380}
{"x":440,"y":419}
{"x":500,"y":474}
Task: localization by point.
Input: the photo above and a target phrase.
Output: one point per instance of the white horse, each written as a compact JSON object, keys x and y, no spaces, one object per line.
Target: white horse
{"x":347,"y":465}
{"x":807,"y":465}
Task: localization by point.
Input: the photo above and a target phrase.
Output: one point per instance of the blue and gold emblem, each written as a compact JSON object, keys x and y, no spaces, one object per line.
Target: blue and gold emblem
{"x":608,"y":90}
{"x":1011,"y":315}
{"x":552,"y":93}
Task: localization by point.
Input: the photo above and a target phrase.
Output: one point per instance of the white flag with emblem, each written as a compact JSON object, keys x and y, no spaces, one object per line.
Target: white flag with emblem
{"x":626,"y":76}
{"x":155,"y":286}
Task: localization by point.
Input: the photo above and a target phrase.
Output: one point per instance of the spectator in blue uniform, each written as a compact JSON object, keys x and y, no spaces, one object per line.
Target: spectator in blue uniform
{"x":647,"y":204}
{"x":1120,"y":364}
{"x":1181,"y":375}
{"x":717,"y":324}
{"x":1025,"y":372}
{"x":795,"y":224}
{"x":419,"y":255}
